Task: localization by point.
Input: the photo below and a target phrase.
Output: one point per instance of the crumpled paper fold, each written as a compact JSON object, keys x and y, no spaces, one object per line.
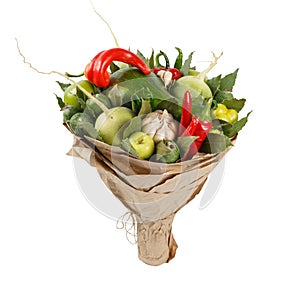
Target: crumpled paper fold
{"x":153,"y":192}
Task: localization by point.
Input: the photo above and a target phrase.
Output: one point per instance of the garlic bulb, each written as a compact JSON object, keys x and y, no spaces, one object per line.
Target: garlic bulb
{"x":166,"y":77}
{"x":160,"y":125}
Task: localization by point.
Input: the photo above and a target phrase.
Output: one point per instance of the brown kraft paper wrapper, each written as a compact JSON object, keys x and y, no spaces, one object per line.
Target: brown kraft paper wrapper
{"x":153,"y":192}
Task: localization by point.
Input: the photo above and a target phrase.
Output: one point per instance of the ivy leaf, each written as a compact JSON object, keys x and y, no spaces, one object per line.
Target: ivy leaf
{"x":231,"y":130}
{"x":184,"y":143}
{"x":236,"y":104}
{"x":228,"y":81}
{"x":215,"y":143}
{"x":187,"y":65}
{"x":60,"y":102}
{"x":135,"y":124}
{"x":63,"y":86}
{"x":178,"y":61}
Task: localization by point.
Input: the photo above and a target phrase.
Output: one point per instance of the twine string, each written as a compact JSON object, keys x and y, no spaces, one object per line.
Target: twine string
{"x":128,"y":222}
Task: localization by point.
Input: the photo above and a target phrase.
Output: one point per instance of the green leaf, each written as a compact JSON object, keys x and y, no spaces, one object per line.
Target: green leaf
{"x":214,"y":104}
{"x":214,"y":84}
{"x":167,"y":151}
{"x":145,"y":108}
{"x":60,"y":101}
{"x":116,"y":94}
{"x":69,"y":111}
{"x":134,"y":125}
{"x":197,"y":105}
{"x":218,"y":124}
{"x":81,"y":103}
{"x":113,"y":67}
{"x":236,"y":104}
{"x":141,"y":56}
{"x":231,"y":130}
{"x":184,"y":143}
{"x":151,"y":60}
{"x":135,"y":106}
{"x":228,"y":81}
{"x":97,"y":90}
{"x":170,"y":105}
{"x":187,"y":65}
{"x":136,"y":102}
{"x":222,"y":96}
{"x":63,"y":86}
{"x":178,"y":61}
{"x":125,"y":145}
{"x":215,"y":143}
{"x":80,"y":94}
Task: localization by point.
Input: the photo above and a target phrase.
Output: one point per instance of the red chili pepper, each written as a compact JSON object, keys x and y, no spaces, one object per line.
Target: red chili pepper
{"x":199,"y":126}
{"x":176,"y":74}
{"x":186,"y":113}
{"x":96,"y":70}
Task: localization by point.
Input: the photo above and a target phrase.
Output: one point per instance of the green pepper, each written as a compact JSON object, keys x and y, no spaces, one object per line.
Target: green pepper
{"x":225,"y":114}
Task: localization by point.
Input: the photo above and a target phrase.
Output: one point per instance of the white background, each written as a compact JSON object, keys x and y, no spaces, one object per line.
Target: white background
{"x":244,"y":245}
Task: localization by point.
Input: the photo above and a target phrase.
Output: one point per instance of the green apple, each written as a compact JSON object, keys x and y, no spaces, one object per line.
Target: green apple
{"x":109,"y":124}
{"x":142,"y":143}
{"x":195,"y":85}
{"x":193,"y":73}
{"x":70,"y":94}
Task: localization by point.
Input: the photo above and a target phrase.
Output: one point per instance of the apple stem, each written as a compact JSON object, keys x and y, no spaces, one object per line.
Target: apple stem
{"x":89,"y":95}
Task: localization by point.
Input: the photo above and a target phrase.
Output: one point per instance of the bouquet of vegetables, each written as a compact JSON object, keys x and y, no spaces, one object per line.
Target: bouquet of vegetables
{"x":154,"y":131}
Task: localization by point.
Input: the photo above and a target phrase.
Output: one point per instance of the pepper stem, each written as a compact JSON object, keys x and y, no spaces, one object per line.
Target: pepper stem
{"x":89,"y":95}
{"x":203,"y":74}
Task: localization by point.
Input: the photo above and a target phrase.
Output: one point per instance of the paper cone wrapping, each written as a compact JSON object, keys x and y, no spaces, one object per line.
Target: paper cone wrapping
{"x":153,"y":192}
